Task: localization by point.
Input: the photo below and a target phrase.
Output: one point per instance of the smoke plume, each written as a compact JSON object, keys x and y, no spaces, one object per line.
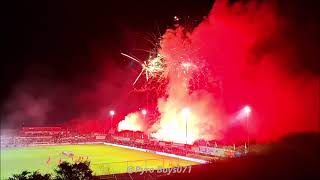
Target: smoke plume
{"x":250,"y":50}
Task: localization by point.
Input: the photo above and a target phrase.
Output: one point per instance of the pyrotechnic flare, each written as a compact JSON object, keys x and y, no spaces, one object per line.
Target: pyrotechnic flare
{"x":186,"y":73}
{"x":153,"y":67}
{"x":133,"y":122}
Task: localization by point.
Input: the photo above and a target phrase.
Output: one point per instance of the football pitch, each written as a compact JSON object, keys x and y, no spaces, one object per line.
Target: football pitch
{"x":104,"y":159}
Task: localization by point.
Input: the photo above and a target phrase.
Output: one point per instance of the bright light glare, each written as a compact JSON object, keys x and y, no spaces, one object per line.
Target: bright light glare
{"x":144,"y":112}
{"x":186,"y":64}
{"x":247,"y":109}
{"x":186,"y":112}
{"x":111,"y":112}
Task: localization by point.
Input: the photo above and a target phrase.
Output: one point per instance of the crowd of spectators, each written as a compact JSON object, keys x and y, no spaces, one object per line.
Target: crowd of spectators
{"x":50,"y":136}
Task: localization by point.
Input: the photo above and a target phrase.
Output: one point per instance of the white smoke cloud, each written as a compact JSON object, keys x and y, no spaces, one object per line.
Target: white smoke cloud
{"x":133,"y":122}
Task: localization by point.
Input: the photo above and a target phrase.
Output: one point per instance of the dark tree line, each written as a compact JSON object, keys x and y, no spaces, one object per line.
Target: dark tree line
{"x":64,"y":171}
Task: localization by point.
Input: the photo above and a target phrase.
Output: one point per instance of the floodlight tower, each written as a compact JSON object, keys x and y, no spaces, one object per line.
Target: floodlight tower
{"x":247,"y":111}
{"x":111,"y":113}
{"x":144,"y":113}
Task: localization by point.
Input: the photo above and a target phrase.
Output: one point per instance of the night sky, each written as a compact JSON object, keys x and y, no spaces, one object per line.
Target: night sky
{"x":56,"y":51}
{"x":71,"y":39}
{"x":64,"y":47}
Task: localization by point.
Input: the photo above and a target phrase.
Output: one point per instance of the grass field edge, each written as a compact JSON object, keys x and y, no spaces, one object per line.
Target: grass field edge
{"x":201,"y":161}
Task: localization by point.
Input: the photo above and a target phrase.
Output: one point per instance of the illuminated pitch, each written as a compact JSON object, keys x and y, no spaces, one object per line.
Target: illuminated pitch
{"x":104,"y":159}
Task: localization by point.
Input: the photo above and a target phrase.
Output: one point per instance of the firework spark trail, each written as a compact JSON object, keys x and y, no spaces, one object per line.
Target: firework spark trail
{"x":128,"y":56}
{"x":153,"y":67}
{"x":141,"y":64}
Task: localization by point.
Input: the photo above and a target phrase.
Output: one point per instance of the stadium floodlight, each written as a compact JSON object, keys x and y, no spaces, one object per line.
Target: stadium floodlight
{"x":247,"y":110}
{"x":144,"y":112}
{"x":186,"y":112}
{"x":112,"y":112}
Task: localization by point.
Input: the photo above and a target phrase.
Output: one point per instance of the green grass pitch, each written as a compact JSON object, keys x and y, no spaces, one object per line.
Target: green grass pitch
{"x":104,"y":159}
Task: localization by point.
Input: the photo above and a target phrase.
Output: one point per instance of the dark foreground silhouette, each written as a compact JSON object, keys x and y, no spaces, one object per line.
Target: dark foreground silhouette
{"x":64,"y":171}
{"x":295,"y":156}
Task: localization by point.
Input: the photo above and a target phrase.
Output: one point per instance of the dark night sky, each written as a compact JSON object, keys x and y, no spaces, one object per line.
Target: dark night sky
{"x":63,"y":36}
{"x":49,"y":43}
{"x":67,"y":43}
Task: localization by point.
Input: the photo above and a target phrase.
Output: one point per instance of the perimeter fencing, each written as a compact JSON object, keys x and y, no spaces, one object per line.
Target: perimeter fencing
{"x":136,"y":166}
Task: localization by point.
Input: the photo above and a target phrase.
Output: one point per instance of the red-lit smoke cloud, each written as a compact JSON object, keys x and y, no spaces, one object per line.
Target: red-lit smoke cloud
{"x":246,"y":49}
{"x":133,"y":122}
{"x":246,"y":45}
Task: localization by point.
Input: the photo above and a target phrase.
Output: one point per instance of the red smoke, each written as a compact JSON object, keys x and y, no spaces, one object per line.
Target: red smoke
{"x":246,"y":49}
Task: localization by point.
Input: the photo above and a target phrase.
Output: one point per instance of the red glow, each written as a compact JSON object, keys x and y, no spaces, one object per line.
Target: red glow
{"x":246,"y":47}
{"x":111,"y":112}
{"x":247,"y":109}
{"x":144,"y":112}
{"x":238,"y":55}
{"x":243,"y":48}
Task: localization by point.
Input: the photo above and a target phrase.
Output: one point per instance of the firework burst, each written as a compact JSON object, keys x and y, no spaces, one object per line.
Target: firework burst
{"x":154,"y":67}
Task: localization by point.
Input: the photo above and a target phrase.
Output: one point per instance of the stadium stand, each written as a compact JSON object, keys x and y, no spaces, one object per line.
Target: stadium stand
{"x":33,"y":136}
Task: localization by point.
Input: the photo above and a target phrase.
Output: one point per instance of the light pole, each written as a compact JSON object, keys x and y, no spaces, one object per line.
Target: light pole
{"x":247,"y":110}
{"x":186,"y":114}
{"x":111,"y":113}
{"x":144,"y":113}
{"x":186,"y":131}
